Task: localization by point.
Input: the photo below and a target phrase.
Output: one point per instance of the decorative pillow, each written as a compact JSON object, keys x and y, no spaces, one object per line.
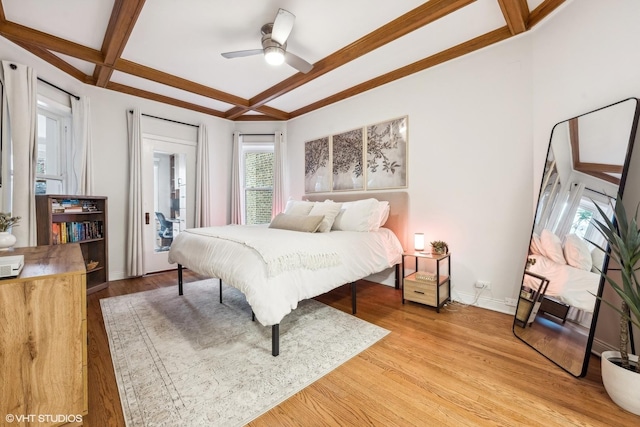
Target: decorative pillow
{"x":383,"y":209}
{"x":330,"y":210}
{"x":359,"y":215}
{"x":306,"y":223}
{"x":298,"y":207}
{"x":576,"y":252}
{"x":552,"y":247}
{"x":535,"y":248}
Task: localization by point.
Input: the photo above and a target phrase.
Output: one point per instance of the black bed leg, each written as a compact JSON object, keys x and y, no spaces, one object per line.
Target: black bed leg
{"x":275,"y":339}
{"x":179,"y":279}
{"x":353,"y":297}
{"x":253,"y":316}
{"x":397,"y":276}
{"x":220,"y":290}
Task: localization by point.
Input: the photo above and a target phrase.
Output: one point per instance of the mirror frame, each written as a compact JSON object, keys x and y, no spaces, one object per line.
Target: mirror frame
{"x":605,"y":264}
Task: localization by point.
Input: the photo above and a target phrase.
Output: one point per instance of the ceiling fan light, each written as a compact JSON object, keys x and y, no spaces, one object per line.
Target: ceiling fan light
{"x":274,"y":55}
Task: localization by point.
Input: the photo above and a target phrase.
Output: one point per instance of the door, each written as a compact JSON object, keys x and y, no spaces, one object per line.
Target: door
{"x":168,"y":199}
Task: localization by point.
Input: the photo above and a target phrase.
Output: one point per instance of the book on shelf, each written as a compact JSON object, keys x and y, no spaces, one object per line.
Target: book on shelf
{"x":71,"y":232}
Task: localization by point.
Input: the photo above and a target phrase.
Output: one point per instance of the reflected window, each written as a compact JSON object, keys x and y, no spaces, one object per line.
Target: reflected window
{"x":586,"y":213}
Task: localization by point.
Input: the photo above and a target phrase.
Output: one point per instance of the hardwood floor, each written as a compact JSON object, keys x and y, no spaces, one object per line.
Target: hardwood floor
{"x":460,"y":367}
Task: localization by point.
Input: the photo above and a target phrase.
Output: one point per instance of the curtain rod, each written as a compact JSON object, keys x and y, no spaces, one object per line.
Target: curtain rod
{"x":59,"y":88}
{"x":166,"y":120}
{"x":258,"y":134}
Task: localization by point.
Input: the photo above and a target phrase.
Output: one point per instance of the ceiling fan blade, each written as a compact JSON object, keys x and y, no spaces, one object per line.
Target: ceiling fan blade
{"x":282,"y":26}
{"x":296,"y":62}
{"x":241,"y":53}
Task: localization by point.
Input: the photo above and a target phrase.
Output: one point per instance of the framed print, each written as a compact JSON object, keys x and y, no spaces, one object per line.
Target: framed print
{"x":347,"y":149}
{"x":317,"y":169}
{"x":387,"y":154}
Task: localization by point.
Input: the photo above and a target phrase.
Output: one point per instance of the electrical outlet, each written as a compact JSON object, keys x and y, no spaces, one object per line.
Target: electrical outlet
{"x":483,"y":284}
{"x":512,"y":302}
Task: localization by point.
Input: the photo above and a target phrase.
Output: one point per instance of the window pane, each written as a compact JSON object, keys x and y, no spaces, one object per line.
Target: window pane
{"x":49,"y":186}
{"x":258,"y":170}
{"x":48,"y":162}
{"x":258,"y":206}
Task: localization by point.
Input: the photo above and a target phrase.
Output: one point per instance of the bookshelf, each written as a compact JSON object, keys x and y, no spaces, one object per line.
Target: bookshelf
{"x":62,"y":219}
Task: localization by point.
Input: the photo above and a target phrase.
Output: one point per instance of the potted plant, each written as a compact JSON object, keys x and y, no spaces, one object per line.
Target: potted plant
{"x":439,"y":247}
{"x":7,"y":239}
{"x":621,"y":371}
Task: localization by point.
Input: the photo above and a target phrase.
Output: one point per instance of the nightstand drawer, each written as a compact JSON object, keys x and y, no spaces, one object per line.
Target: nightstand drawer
{"x":425,"y":292}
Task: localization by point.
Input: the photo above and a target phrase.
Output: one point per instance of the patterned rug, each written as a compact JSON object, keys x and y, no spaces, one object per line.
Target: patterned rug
{"x":192,"y":361}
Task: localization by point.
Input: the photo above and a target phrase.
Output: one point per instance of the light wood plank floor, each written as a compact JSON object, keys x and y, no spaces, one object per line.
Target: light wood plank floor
{"x":461,"y":367}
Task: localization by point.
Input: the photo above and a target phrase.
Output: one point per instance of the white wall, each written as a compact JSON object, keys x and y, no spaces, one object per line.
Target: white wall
{"x":585,"y":57}
{"x":469,"y":171}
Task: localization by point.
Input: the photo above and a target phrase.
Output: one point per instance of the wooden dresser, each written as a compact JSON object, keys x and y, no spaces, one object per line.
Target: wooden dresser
{"x":43,"y":339}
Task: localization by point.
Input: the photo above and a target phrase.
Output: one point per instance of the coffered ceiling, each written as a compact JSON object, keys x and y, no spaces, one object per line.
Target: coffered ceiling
{"x":170,"y":50}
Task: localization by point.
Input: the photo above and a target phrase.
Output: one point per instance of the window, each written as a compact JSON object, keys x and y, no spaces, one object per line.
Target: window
{"x":54,"y":128}
{"x":583,"y":220}
{"x":257,"y":171}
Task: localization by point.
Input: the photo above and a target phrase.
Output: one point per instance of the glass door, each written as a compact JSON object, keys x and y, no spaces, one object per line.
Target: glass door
{"x":168,"y":197}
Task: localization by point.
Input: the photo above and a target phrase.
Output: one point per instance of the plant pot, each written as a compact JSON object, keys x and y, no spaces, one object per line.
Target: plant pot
{"x":7,"y":240}
{"x":622,"y":385}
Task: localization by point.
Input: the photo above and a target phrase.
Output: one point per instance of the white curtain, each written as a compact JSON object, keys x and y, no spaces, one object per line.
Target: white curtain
{"x":203,"y":190}
{"x":278,"y":175}
{"x":236,"y":188}
{"x":20,"y":88}
{"x":80,"y":170}
{"x":563,"y":226}
{"x":135,"y":254}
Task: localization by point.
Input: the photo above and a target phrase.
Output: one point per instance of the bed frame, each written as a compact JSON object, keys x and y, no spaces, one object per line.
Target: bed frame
{"x":398,"y":208}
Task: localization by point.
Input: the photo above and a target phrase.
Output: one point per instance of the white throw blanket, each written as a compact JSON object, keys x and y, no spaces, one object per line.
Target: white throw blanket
{"x":281,"y":250}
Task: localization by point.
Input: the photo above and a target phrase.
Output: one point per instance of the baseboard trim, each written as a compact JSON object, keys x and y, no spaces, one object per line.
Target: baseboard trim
{"x":483,"y":302}
{"x":599,"y":346}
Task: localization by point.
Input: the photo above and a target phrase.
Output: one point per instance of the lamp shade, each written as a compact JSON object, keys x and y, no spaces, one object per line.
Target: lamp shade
{"x":274,"y":55}
{"x":418,"y":241}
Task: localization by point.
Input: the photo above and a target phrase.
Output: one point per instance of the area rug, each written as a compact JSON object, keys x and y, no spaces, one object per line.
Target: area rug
{"x":191,"y":361}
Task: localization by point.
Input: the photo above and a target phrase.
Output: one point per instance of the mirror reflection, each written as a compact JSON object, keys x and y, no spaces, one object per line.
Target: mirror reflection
{"x":585,"y":165}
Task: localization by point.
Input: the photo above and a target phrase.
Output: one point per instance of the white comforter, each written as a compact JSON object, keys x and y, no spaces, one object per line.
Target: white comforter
{"x":275,"y":269}
{"x":569,"y":284}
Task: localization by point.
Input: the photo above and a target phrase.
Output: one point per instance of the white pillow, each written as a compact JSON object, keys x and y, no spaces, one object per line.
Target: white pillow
{"x":552,"y":247}
{"x":330,"y":210}
{"x":576,"y":252}
{"x":535,"y":248}
{"x":597,"y":259}
{"x":298,"y":207}
{"x":359,"y":215}
{"x":383,"y":209}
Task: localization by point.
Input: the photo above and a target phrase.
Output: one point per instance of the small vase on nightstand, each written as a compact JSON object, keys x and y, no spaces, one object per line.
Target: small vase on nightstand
{"x":7,"y":240}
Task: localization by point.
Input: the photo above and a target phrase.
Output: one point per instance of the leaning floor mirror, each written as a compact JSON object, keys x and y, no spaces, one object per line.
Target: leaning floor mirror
{"x":587,"y":161}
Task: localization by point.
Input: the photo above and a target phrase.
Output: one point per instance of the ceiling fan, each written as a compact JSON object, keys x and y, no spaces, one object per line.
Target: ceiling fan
{"x":274,"y":44}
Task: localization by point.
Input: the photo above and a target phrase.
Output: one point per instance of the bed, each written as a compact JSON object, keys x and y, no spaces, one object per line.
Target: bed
{"x":567,"y":266}
{"x":275,"y":268}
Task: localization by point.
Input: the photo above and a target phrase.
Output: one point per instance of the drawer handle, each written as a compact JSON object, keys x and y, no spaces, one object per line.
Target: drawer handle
{"x":419,"y":292}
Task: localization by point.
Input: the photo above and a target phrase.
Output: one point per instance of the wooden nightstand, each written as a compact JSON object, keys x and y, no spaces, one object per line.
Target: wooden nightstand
{"x":433,"y":293}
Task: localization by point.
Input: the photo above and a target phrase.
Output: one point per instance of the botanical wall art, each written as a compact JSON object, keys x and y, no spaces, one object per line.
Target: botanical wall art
{"x":348,"y":155}
{"x":337,"y":162}
{"x":317,"y":169}
{"x":387,"y":154}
